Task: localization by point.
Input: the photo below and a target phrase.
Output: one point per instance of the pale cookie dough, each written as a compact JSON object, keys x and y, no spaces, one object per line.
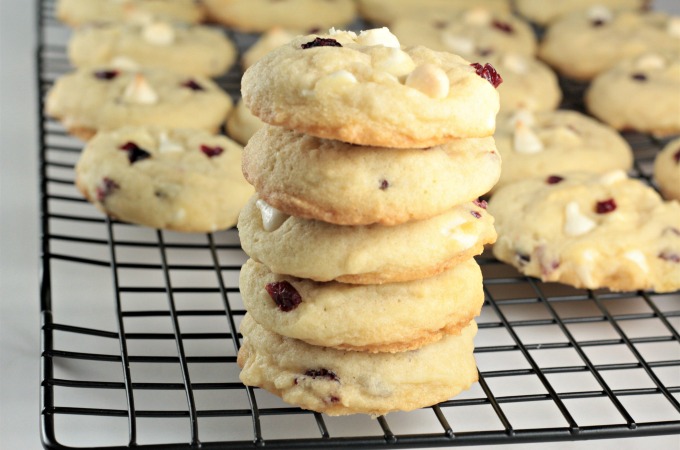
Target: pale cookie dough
{"x":261,"y":15}
{"x":667,"y":170}
{"x":545,"y":12}
{"x":585,"y":44}
{"x":338,"y":382}
{"x":640,"y":94}
{"x":190,"y":50}
{"x":543,"y":144}
{"x":79,"y":12}
{"x":385,"y":12}
{"x":365,"y":90}
{"x":176,"y":179}
{"x":393,"y":317}
{"x":242,"y":125}
{"x":467,"y":33}
{"x":271,"y":39}
{"x":371,"y":254}
{"x":347,"y":184}
{"x":589,"y":231}
{"x":107,"y":98}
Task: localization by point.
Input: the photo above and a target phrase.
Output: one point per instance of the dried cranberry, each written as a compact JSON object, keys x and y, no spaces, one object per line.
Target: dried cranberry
{"x":597,"y":22}
{"x":672,"y":230}
{"x":488,"y":73}
{"x":639,"y":77}
{"x":605,"y":206}
{"x":440,"y":24}
{"x":284,"y":295}
{"x":668,"y":255}
{"x":106,"y":74}
{"x":384,"y":184}
{"x":106,"y":188}
{"x":135,"y":153}
{"x":554,"y":179}
{"x":485,"y":52}
{"x":334,"y":399}
{"x":476,"y":214}
{"x":481,"y":203}
{"x":211,"y":152}
{"x":676,"y":157}
{"x":193,"y":85}
{"x":322,"y":373}
{"x":503,"y":26}
{"x":322,"y":42}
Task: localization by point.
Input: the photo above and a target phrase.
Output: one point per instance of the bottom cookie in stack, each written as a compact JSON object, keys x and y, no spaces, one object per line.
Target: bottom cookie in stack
{"x":338,"y":382}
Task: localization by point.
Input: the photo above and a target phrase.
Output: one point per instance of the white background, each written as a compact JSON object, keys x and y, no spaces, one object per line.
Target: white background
{"x":19,"y":268}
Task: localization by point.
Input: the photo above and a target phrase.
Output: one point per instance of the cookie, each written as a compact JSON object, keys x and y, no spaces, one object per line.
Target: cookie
{"x":641,"y":94}
{"x":107,"y":98}
{"x":468,"y":33}
{"x":667,"y":170}
{"x":365,"y":90}
{"x":338,"y":382}
{"x":176,"y":179}
{"x":544,"y":13}
{"x":347,"y":184}
{"x":542,"y":144}
{"x":190,"y":50}
{"x":589,"y":231}
{"x":391,"y":317}
{"x":261,"y":15}
{"x":371,"y":254}
{"x":241,"y":124}
{"x":385,"y":12}
{"x":79,"y":12}
{"x":585,"y":44}
{"x":268,"y":41}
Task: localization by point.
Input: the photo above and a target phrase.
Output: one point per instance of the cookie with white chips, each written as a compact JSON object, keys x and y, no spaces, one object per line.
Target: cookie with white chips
{"x":79,"y":12}
{"x":589,"y":231}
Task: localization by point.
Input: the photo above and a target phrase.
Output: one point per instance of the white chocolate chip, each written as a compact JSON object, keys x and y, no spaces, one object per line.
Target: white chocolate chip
{"x":378,"y":36}
{"x":342,"y":33}
{"x":516,"y":63}
{"x":600,"y":12}
{"x":180,"y":214}
{"x":522,"y":115}
{"x":613,"y":177}
{"x":124,"y":63}
{"x":525,"y":140}
{"x":336,"y":80}
{"x":650,"y":62}
{"x":395,"y":62}
{"x":166,"y":145}
{"x":430,"y":80}
{"x":272,"y":218}
{"x":140,"y":91}
{"x":457,"y":43}
{"x":477,"y":16}
{"x":466,"y":240}
{"x":585,"y":268}
{"x":674,"y":27}
{"x":638,"y":258}
{"x":159,"y":33}
{"x":575,"y":223}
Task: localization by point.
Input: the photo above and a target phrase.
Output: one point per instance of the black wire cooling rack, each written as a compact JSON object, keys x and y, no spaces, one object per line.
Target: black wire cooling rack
{"x":139,"y":337}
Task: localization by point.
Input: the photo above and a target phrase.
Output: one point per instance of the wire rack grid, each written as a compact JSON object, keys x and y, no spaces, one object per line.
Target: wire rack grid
{"x":139,"y":337}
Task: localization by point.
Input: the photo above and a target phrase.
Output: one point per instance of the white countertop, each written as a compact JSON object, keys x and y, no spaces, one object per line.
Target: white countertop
{"x":19,"y":245}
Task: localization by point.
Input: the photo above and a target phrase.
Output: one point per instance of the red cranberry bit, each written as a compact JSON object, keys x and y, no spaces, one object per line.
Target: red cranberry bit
{"x":106,"y":74}
{"x":322,"y":42}
{"x":597,"y":22}
{"x":639,"y":77}
{"x":503,"y":26}
{"x":193,"y":85}
{"x":605,"y":206}
{"x":440,"y":24}
{"x":485,"y":52}
{"x":476,"y":214}
{"x":384,"y":184}
{"x":106,"y":188}
{"x":135,"y":153}
{"x":211,"y":152}
{"x":334,"y":399}
{"x":554,"y":179}
{"x":488,"y":73}
{"x":672,"y":230}
{"x":322,"y":373}
{"x":668,"y":255}
{"x":676,"y":157}
{"x":481,"y":203}
{"x":284,"y":295}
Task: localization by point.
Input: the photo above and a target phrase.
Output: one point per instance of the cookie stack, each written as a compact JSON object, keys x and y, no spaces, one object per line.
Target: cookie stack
{"x":362,"y":287}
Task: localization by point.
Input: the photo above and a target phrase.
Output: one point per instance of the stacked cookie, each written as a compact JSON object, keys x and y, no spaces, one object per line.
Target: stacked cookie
{"x":362,"y":287}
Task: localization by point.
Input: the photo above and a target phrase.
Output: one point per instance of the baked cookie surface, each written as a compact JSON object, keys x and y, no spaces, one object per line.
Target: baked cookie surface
{"x":589,"y":231}
{"x":546,"y":143}
{"x":338,"y":382}
{"x":370,"y":254}
{"x":641,"y":94}
{"x":544,"y":13}
{"x":268,"y":41}
{"x":667,"y":170}
{"x":365,"y":90}
{"x":79,"y":12}
{"x":347,"y":184}
{"x":261,"y":15}
{"x":241,"y":124}
{"x":176,"y":179}
{"x":190,"y":50}
{"x":107,"y":98}
{"x":585,"y":44}
{"x":391,"y":317}
{"x":385,"y":12}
